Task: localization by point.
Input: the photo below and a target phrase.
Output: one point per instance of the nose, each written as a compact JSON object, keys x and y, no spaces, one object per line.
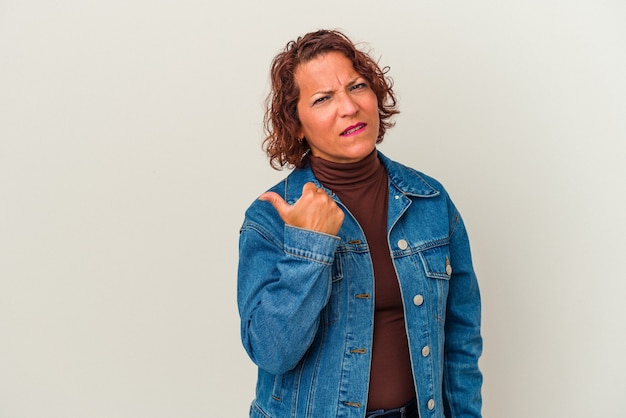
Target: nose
{"x":347,"y":105}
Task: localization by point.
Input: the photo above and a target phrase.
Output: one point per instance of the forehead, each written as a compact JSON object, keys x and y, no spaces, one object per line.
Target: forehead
{"x":327,"y":69}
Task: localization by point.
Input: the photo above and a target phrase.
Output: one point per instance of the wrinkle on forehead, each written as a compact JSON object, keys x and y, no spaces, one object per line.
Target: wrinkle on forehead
{"x":344,"y":75}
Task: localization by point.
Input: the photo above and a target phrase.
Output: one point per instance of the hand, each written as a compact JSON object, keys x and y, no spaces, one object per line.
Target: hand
{"x":315,"y":210}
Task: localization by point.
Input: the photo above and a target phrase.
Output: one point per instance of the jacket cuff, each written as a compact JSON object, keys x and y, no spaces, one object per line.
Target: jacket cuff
{"x":312,"y":245}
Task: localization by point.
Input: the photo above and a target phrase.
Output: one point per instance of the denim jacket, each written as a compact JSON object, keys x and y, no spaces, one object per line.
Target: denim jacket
{"x":306,"y":302}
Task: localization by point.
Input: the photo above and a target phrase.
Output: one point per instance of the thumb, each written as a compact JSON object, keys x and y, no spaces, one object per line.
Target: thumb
{"x":278,"y":202}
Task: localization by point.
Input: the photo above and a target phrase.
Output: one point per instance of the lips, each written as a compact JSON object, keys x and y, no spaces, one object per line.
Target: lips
{"x":354,"y":129}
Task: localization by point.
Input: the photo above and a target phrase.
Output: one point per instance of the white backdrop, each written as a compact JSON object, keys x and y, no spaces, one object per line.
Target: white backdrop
{"x":130,"y":139}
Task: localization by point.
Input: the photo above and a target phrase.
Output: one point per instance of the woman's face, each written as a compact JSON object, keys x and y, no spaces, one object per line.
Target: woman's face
{"x":338,"y":110}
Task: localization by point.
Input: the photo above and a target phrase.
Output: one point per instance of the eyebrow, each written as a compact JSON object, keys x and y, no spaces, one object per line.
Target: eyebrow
{"x":350,"y":83}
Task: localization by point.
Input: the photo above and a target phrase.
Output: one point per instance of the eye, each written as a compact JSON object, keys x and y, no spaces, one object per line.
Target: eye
{"x":359,"y":86}
{"x":320,"y":100}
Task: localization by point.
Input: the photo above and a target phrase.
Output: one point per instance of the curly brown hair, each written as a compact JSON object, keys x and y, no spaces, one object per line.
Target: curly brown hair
{"x":281,"y":121}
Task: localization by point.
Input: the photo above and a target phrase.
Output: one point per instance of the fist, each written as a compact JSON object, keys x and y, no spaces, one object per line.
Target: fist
{"x":315,"y":210}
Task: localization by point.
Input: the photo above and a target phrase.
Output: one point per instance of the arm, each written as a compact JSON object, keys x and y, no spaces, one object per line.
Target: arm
{"x":282,"y":288}
{"x":285,"y":269}
{"x":463,"y":342}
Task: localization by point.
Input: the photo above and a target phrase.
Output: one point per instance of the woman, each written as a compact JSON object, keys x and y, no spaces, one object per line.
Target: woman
{"x":356,"y":290}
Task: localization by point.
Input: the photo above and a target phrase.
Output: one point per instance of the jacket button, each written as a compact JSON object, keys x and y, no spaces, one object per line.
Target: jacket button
{"x":425,"y":351}
{"x":418,"y":300}
{"x":448,"y":267}
{"x":403,"y":245}
{"x":431,"y":404}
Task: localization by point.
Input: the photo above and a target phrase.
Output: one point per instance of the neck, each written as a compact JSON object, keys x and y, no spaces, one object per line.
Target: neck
{"x":339,"y":175}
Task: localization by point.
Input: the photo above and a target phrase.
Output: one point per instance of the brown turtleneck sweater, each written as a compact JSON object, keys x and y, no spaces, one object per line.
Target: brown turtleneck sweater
{"x":363,"y":188}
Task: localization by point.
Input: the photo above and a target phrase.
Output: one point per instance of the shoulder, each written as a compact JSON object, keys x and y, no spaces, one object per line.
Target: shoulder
{"x":290,"y":189}
{"x":412,"y":181}
{"x":263,"y":213}
{"x":421,"y":187}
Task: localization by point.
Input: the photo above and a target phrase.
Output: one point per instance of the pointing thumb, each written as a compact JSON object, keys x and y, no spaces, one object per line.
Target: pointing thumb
{"x":278,"y":202}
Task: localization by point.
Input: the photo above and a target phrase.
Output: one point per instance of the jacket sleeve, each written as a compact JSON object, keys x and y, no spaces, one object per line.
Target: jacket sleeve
{"x":463,"y":342}
{"x":284,"y":282}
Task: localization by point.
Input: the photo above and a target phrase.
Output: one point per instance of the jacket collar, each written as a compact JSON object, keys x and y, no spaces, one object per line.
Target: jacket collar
{"x":405,"y":179}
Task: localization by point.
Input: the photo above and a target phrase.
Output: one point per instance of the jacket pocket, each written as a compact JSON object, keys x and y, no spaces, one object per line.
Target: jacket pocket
{"x":437,"y":268}
{"x":257,"y":412}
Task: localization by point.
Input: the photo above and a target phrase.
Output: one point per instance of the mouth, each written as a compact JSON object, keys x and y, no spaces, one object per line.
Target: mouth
{"x":354,"y":129}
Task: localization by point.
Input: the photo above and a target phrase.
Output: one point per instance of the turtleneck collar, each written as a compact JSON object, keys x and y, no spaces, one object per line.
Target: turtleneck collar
{"x":339,"y":175}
